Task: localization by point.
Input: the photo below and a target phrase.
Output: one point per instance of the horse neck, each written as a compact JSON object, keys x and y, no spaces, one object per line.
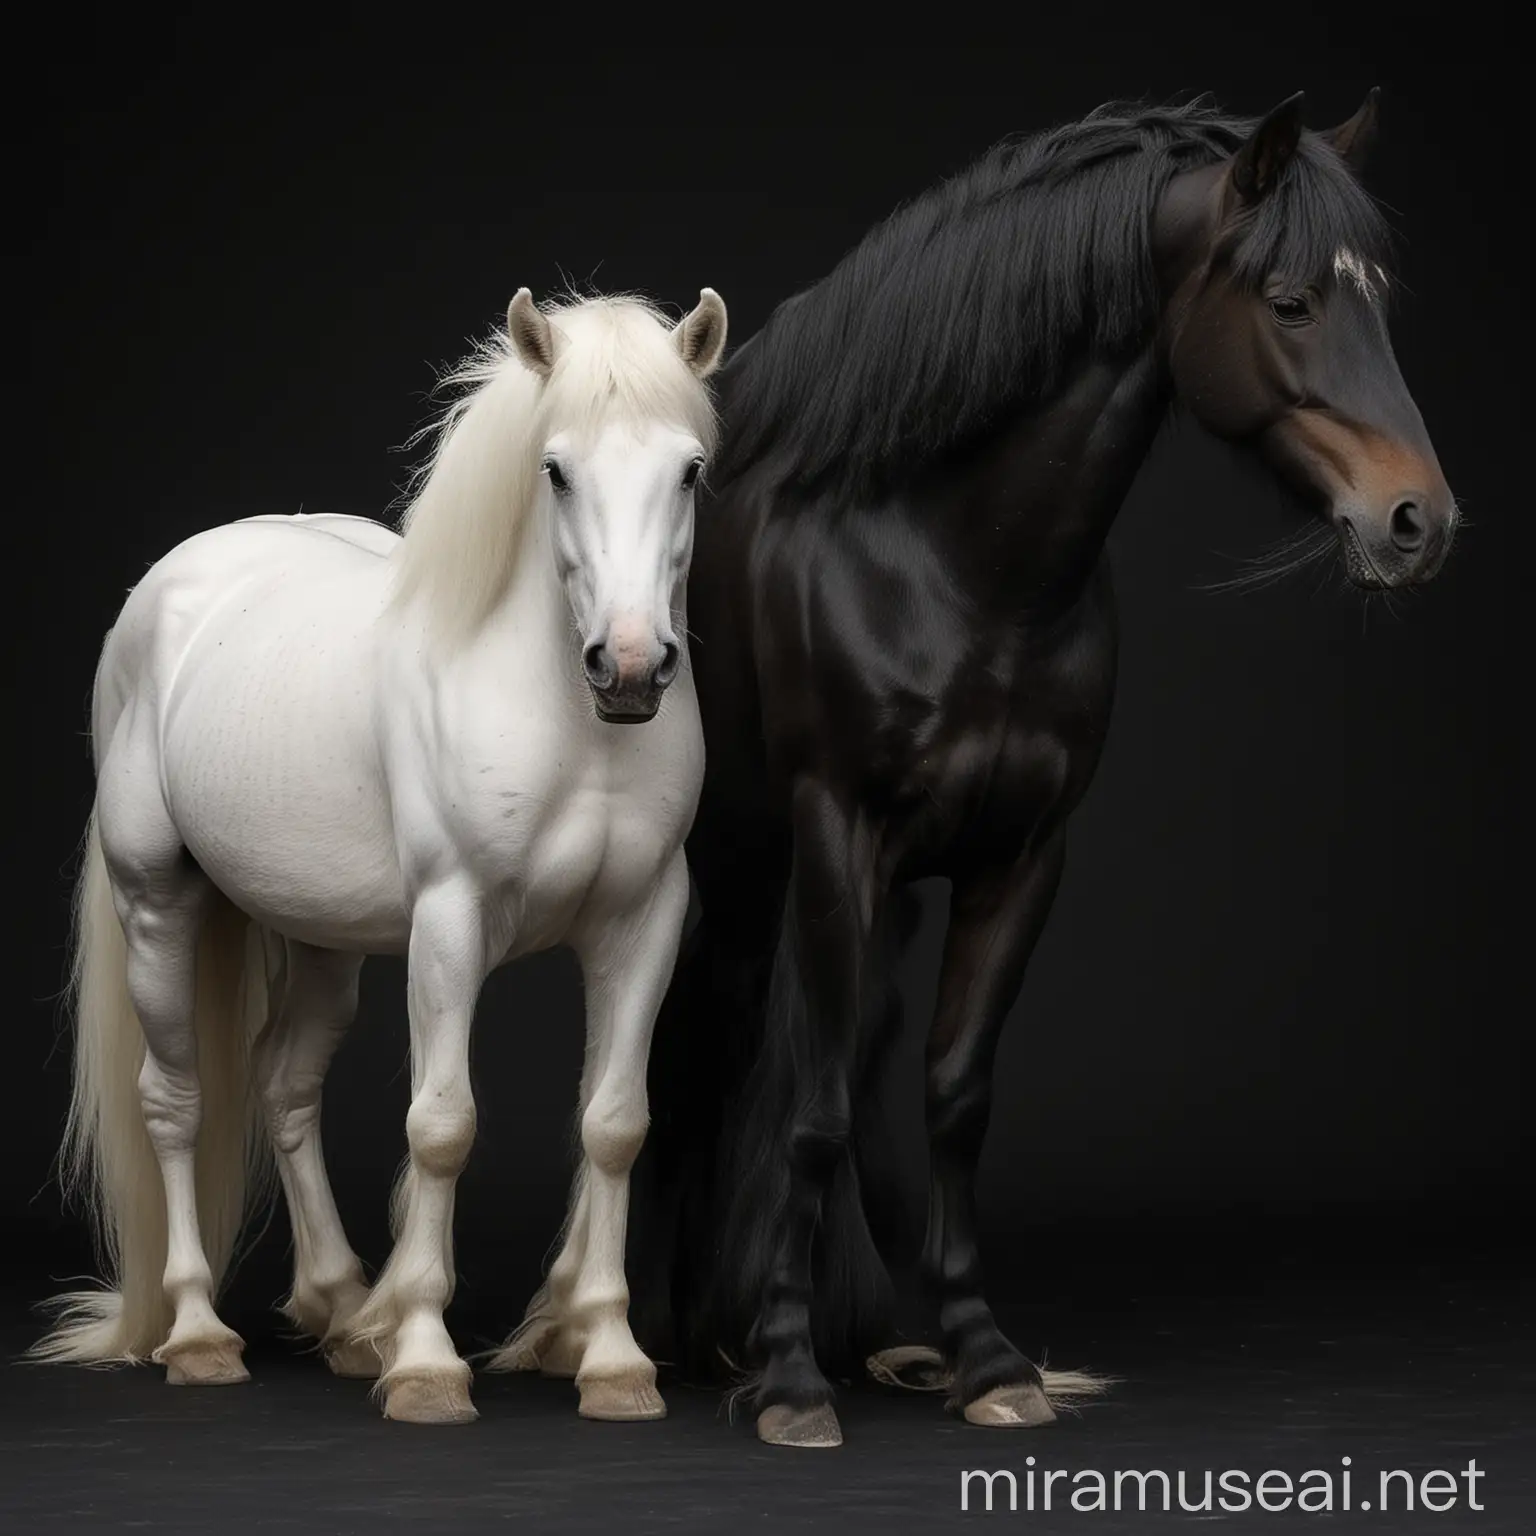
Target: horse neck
{"x":532,"y":611}
{"x":1028,"y":513}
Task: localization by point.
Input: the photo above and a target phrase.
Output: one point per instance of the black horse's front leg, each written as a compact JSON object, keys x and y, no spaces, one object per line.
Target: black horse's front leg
{"x":995,"y":920}
{"x":815,"y":1004}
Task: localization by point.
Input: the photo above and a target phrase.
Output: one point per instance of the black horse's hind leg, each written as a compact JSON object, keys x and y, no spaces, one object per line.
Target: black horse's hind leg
{"x":818,"y":979}
{"x":995,"y":920}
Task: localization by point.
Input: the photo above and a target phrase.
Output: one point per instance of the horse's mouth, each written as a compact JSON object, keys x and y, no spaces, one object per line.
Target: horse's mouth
{"x":1367,"y":570}
{"x":1358,"y":565}
{"x":630,"y":712}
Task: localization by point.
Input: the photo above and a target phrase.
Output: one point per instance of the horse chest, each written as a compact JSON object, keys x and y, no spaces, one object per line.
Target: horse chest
{"x":980,"y":784}
{"x":559,"y":823}
{"x":582,"y":852}
{"x":1006,"y":748}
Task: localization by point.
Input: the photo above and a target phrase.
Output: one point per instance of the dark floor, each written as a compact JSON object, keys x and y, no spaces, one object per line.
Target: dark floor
{"x":1423,"y":1373}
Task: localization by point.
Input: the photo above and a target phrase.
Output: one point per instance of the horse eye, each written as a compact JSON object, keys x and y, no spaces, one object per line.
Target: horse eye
{"x":692,"y":473}
{"x":556,"y":476}
{"x":1290,"y":309}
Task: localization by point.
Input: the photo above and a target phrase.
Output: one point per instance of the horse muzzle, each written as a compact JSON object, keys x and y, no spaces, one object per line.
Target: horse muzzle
{"x":1403,"y":546}
{"x":628,"y":674}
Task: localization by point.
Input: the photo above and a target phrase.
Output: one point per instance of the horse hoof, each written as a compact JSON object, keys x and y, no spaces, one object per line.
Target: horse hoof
{"x":354,"y":1359}
{"x":438,"y":1398}
{"x":806,"y":1428}
{"x":204,"y":1365}
{"x":913,"y":1366}
{"x":620,"y":1399}
{"x":1020,"y":1406}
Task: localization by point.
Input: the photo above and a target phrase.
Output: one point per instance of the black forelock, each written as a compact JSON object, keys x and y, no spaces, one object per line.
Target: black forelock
{"x":1317,"y":209}
{"x":970,"y":302}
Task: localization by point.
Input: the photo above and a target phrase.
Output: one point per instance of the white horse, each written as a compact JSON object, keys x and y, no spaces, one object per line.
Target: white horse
{"x":316,"y":740}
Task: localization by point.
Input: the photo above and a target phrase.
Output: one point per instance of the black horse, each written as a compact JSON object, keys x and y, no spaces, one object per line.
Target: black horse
{"x":904,"y":644}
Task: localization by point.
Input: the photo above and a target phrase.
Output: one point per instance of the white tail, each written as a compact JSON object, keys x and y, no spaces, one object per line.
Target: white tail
{"x":107,"y":1158}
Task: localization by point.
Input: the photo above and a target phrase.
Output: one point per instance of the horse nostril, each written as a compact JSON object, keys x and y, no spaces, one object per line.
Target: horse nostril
{"x":599,"y":669}
{"x":1407,"y":525}
{"x":667,"y":668}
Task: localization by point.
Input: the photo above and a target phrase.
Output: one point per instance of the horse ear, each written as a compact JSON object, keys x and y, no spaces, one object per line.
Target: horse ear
{"x":1352,"y":140}
{"x":700,"y":334}
{"x":1257,"y":166}
{"x":531,"y":333}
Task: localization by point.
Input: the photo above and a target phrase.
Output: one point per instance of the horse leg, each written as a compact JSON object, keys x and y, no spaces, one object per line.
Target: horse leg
{"x":709,"y":1026}
{"x":627,"y":964}
{"x":548,"y":1339}
{"x":314,"y":1004}
{"x":875,"y":1154}
{"x":994,"y":923}
{"x":816,"y":995}
{"x":162,"y":900}
{"x":424,"y":1380}
{"x":545,"y":1340}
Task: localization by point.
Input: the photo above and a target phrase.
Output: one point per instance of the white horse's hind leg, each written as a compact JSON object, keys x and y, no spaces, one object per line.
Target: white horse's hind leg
{"x":162,"y":904}
{"x":545,"y":1340}
{"x":314,"y":1001}
{"x":628,"y":965}
{"x":424,"y":1379}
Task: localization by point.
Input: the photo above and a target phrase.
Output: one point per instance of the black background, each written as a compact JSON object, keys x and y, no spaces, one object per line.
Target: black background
{"x":1277,"y":1012}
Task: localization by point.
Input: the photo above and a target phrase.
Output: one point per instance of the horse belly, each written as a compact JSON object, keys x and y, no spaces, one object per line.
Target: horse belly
{"x":271,"y":774}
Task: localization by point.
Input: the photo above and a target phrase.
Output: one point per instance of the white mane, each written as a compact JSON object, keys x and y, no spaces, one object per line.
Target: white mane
{"x":471,"y":500}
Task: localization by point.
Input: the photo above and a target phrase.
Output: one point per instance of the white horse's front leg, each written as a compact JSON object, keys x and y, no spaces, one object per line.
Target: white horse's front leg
{"x":424,"y":1379}
{"x":628,"y":965}
{"x":546,"y":1340}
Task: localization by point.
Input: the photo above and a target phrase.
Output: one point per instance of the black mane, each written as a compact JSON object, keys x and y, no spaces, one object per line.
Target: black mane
{"x":971,"y":301}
